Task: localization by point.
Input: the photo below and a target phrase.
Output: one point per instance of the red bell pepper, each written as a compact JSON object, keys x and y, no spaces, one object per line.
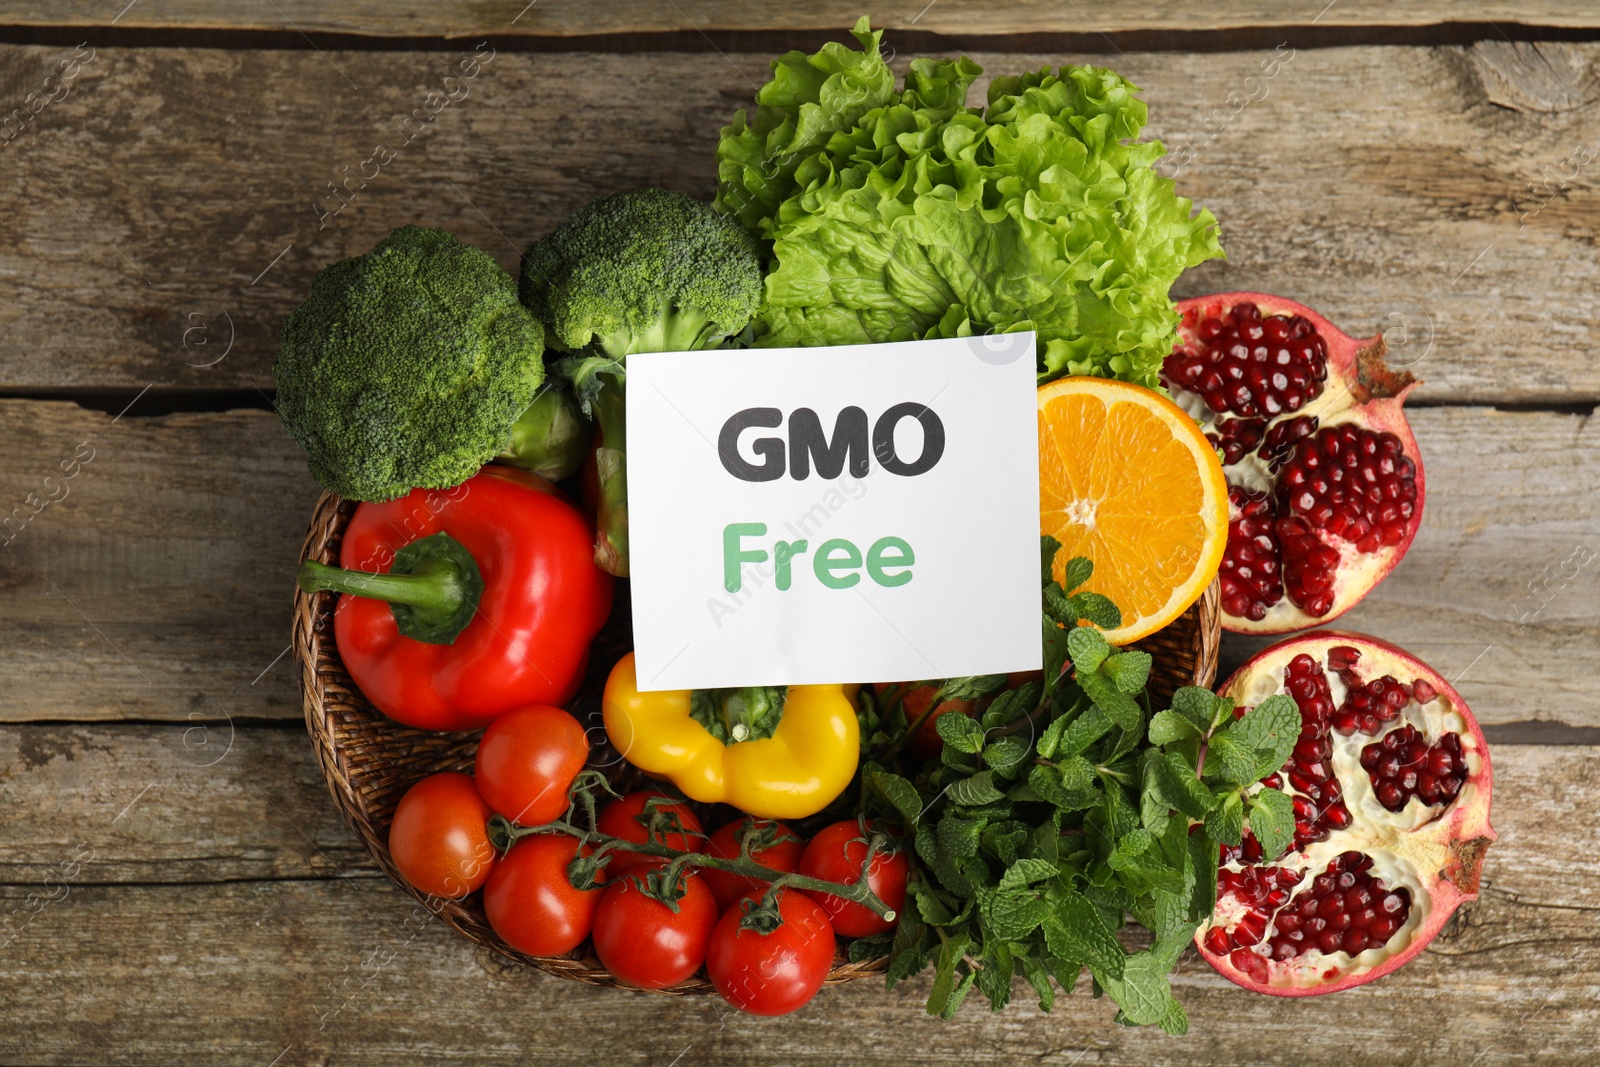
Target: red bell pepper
{"x":462,"y":604}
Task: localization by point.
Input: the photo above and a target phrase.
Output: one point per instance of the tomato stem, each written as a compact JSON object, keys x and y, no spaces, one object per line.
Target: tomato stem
{"x":503,"y":833}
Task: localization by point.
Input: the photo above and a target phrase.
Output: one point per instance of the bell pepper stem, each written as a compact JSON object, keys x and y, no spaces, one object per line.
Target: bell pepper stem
{"x":433,"y":587}
{"x":428,"y":590}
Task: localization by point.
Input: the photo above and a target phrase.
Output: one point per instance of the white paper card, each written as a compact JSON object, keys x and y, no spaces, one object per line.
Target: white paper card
{"x":852,"y":513}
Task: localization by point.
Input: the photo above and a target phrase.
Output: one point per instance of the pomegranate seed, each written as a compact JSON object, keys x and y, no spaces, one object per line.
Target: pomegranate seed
{"x":1250,"y":573}
{"x":1236,"y":438}
{"x":1403,"y":765}
{"x":1335,"y":913}
{"x":1277,"y":443}
{"x":1251,"y":964}
{"x":1252,"y":366}
{"x":1218,"y":942}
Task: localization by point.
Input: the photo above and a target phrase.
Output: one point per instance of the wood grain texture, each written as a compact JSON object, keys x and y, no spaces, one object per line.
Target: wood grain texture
{"x":179,"y":198}
{"x":351,"y":971}
{"x":204,"y":802}
{"x":566,"y":18}
{"x":158,"y":587}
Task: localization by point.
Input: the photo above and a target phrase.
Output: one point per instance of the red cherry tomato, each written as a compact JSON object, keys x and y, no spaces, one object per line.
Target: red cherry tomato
{"x":527,"y":760}
{"x":439,"y":840}
{"x":532,"y":904}
{"x":620,"y":818}
{"x":645,"y":943}
{"x":776,"y":973}
{"x":836,"y":855}
{"x":782,"y":855}
{"x":925,"y":742}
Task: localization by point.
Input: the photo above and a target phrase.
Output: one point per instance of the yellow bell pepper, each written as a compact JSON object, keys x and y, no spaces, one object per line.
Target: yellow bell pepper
{"x":808,"y":759}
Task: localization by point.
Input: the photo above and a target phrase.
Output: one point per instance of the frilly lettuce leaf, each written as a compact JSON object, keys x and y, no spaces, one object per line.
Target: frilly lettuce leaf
{"x":899,"y":215}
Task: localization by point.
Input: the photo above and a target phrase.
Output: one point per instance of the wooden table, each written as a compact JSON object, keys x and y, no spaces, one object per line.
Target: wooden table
{"x":177,"y":885}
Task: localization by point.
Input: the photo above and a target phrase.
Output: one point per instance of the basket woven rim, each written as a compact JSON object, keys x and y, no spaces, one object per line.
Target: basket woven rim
{"x":368,"y":760}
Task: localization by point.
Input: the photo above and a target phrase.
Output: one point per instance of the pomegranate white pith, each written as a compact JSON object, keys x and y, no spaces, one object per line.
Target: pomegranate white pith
{"x":1276,"y":386}
{"x":1390,"y":878}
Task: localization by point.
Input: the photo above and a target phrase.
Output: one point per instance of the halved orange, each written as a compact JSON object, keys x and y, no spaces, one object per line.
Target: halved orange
{"x":1127,"y":479}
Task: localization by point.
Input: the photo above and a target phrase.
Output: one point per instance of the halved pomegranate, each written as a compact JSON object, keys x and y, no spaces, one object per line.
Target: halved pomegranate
{"x":1324,"y":476}
{"x":1390,"y":782}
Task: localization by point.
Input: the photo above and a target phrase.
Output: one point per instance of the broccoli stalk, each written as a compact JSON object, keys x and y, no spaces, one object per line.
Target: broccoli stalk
{"x":642,"y":271}
{"x":407,"y":367}
{"x":551,"y":438}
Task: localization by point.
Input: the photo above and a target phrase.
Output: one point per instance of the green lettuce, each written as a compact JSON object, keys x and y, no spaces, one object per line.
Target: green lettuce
{"x":894,"y":215}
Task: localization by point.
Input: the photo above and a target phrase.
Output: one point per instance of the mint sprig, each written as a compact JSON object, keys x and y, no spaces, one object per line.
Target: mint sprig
{"x":1065,"y":810}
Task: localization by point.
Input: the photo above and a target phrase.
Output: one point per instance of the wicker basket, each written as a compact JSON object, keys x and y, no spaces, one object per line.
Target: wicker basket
{"x":369,"y":761}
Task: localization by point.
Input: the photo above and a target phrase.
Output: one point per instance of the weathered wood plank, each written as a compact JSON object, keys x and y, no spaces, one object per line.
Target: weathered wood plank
{"x":179,"y":196}
{"x":158,"y":587}
{"x":316,"y":970}
{"x":567,"y":18}
{"x":208,"y":802}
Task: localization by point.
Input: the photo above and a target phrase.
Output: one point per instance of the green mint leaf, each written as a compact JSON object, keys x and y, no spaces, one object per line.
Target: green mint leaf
{"x":1126,"y":742}
{"x":1227,"y":760}
{"x":933,"y":911}
{"x":1272,"y":821}
{"x":959,"y":838}
{"x":951,"y":951}
{"x":1153,"y":806}
{"x":898,"y":792}
{"x":1007,"y":755}
{"x":863,"y":949}
{"x":1141,"y":990}
{"x":1055,"y":652}
{"x":1004,"y":840}
{"x":1039,"y":978}
{"x":1271,"y":728}
{"x":1087,"y":648}
{"x":1075,"y":931}
{"x":1182,"y":789}
{"x":1084,"y":731}
{"x":1130,"y":670}
{"x":1048,"y":547}
{"x":1011,"y":914}
{"x":908,"y":952}
{"x":1225,"y":824}
{"x":1221,"y":711}
{"x":1203,"y":861}
{"x":1027,"y":871}
{"x":975,"y":791}
{"x":993,"y":979}
{"x":1168,"y":726}
{"x":1059,"y":606}
{"x":1176,"y":1020}
{"x":1097,"y":609}
{"x":960,"y":733}
{"x":1076,"y":773}
{"x":1194,"y":704}
{"x":1118,"y":706}
{"x":958,"y":995}
{"x":1132,"y":845}
{"x":970,"y":688}
{"x":1079,"y":570}
{"x":1051,"y":739}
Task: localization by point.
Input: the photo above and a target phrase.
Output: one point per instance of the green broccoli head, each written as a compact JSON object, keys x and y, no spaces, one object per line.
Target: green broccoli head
{"x":643,"y":271}
{"x":406,"y":367}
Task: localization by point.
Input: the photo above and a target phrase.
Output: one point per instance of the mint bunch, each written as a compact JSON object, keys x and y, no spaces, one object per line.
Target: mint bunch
{"x":1068,"y":807}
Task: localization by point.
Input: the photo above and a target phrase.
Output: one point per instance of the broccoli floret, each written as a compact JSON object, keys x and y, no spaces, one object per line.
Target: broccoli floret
{"x":643,"y":271}
{"x":406,"y":367}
